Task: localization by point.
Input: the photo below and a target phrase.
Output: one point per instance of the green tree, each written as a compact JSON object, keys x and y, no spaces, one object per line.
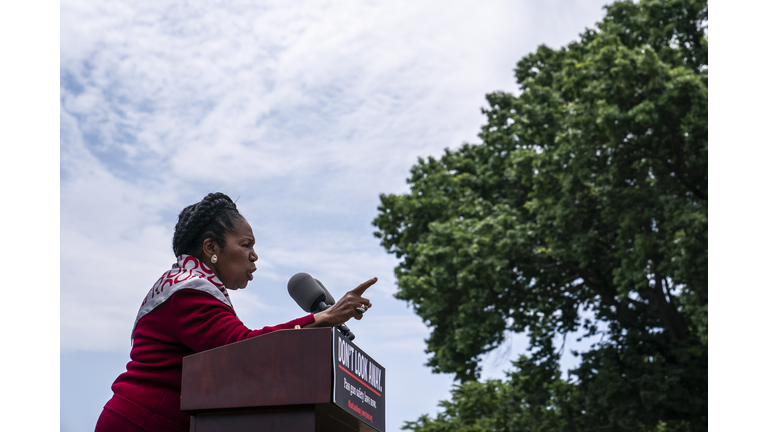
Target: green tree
{"x":583,"y":209}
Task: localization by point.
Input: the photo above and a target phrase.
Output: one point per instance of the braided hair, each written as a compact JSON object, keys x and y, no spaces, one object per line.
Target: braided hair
{"x":210,"y":218}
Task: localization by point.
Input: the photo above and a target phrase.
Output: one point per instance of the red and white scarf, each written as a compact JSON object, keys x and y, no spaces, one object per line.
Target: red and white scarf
{"x":187,"y":273}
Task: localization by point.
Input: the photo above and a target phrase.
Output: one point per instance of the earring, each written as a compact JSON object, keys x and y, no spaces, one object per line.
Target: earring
{"x":214,"y":259}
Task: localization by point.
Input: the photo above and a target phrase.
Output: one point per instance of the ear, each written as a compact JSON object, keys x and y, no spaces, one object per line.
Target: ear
{"x":210,"y":247}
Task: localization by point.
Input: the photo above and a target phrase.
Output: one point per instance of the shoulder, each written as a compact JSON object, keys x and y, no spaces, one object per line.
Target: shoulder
{"x":196,"y":297}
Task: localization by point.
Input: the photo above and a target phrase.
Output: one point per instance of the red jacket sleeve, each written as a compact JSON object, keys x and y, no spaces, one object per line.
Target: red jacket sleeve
{"x":202,"y":322}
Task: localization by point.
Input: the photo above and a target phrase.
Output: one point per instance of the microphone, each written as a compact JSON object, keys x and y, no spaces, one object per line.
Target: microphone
{"x":312,"y":296}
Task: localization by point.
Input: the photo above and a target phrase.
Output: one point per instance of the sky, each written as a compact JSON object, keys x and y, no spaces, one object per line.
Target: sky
{"x":304,"y":113}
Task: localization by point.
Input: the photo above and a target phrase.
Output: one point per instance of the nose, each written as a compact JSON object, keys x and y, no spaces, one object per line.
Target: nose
{"x":254,"y":257}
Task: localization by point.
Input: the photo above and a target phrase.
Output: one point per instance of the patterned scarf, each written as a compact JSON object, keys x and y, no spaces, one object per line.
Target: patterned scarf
{"x":187,"y":273}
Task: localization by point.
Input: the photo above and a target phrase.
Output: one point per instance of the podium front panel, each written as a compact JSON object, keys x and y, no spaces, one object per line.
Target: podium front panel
{"x":285,"y":367}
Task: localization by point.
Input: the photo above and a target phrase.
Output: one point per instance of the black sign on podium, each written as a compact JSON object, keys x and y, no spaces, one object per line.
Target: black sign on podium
{"x":358,"y":382}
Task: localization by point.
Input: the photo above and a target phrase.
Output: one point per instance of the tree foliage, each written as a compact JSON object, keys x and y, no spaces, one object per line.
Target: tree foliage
{"x":583,"y":209}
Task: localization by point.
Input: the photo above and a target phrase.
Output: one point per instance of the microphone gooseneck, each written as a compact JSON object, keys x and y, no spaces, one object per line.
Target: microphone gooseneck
{"x":343,"y":327}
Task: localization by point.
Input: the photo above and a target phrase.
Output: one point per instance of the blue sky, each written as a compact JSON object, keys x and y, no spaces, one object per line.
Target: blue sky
{"x":304,"y":113}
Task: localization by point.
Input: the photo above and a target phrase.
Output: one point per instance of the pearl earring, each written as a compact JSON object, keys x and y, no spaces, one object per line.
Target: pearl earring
{"x":214,"y":259}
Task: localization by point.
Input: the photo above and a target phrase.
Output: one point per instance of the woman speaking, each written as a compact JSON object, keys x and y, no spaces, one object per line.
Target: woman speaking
{"x":188,"y":310}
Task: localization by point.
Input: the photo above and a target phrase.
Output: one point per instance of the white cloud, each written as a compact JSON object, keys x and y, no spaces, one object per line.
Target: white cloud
{"x":264,"y":91}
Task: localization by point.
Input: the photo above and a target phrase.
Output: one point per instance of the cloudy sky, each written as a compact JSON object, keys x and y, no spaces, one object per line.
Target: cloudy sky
{"x":117,"y":114}
{"x":304,"y":112}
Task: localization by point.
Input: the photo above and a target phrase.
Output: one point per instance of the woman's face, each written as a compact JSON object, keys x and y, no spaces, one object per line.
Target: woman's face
{"x":236,"y":262}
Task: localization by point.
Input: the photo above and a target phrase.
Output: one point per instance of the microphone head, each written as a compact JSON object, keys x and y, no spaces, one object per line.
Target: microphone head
{"x":329,"y":300}
{"x":306,"y":291}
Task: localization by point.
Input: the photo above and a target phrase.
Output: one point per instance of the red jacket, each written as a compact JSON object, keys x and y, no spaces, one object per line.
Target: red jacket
{"x":191,"y":321}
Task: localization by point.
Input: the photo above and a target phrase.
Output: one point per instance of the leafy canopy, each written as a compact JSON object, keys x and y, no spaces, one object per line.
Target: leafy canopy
{"x":585,"y":203}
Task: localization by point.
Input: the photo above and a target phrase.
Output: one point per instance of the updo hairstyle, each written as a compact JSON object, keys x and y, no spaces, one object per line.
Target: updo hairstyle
{"x":210,"y":218}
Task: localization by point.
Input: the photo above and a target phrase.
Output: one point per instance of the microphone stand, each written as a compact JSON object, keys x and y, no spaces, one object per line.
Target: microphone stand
{"x":321,"y":306}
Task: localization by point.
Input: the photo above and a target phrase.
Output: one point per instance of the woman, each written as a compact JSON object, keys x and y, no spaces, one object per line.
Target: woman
{"x":188,"y":310}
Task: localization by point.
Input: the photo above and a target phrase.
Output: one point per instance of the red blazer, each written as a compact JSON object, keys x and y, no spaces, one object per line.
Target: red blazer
{"x":148,"y":394}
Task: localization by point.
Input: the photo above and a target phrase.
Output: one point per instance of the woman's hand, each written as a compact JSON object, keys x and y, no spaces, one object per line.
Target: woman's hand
{"x":345,"y":308}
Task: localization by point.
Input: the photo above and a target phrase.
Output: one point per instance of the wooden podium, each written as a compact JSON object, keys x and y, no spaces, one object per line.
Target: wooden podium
{"x":281,"y":381}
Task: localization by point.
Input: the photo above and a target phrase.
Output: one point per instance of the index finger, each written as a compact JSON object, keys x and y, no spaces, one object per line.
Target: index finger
{"x":364,"y":286}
